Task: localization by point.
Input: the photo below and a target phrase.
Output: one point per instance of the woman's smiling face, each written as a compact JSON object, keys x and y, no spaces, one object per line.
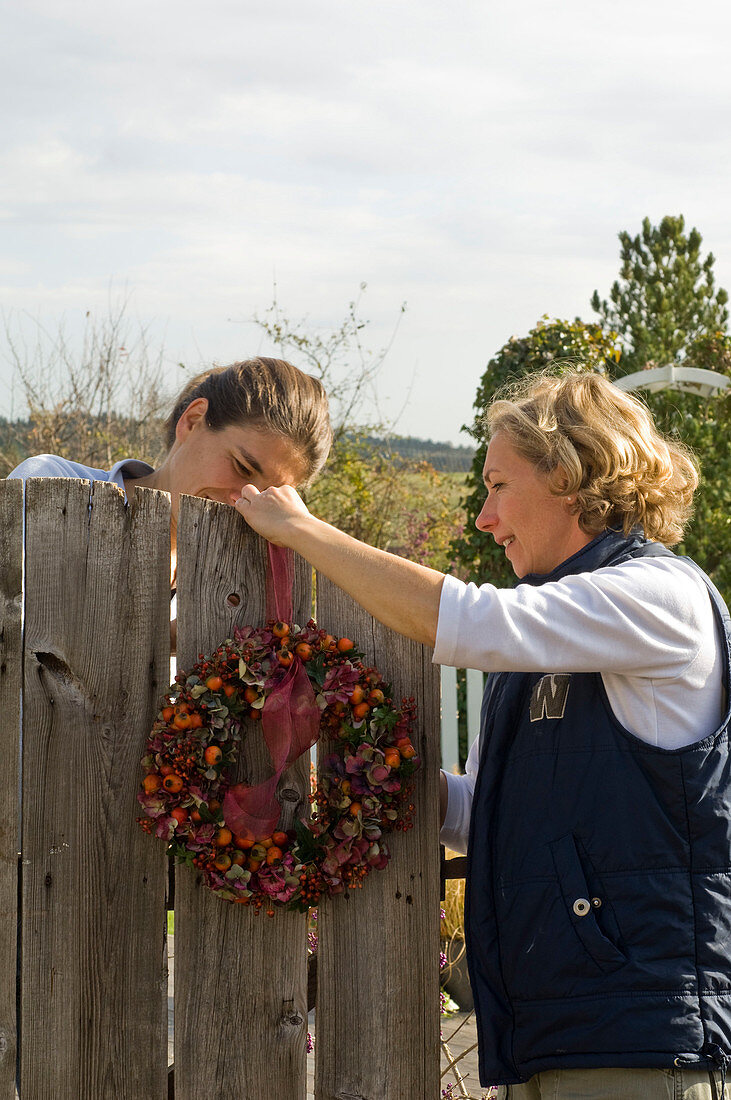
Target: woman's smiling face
{"x":537,"y":529}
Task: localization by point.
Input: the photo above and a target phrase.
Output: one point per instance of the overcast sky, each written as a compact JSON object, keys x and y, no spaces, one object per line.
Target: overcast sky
{"x":475,"y":161}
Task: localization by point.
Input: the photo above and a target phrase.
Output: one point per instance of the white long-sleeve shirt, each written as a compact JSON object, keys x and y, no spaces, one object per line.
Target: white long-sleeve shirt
{"x":646,"y":626}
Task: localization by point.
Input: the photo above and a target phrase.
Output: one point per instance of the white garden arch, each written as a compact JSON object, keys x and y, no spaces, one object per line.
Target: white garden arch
{"x":703,"y":383}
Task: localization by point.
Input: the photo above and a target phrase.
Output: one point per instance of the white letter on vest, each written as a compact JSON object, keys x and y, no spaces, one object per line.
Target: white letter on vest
{"x":548,"y":699}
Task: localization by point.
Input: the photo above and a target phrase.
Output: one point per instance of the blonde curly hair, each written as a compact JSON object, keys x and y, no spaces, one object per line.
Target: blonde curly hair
{"x":599,"y":445}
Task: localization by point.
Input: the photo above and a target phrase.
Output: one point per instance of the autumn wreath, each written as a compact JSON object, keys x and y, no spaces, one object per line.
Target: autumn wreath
{"x":300,"y":684}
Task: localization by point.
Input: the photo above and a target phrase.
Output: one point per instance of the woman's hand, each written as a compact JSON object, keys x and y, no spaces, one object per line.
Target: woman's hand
{"x":403,"y":595}
{"x":273,"y":513}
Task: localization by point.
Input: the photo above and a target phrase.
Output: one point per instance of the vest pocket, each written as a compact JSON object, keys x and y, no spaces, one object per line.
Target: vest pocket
{"x":580,"y":905}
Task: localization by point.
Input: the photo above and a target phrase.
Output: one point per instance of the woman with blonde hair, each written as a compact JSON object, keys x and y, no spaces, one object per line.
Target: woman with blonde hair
{"x":596,"y":806}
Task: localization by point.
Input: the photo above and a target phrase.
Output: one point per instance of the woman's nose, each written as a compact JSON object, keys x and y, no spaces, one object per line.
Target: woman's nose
{"x":486,"y":518}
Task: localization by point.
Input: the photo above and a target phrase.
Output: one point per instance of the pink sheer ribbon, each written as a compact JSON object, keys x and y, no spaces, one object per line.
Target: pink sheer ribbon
{"x":290,"y":718}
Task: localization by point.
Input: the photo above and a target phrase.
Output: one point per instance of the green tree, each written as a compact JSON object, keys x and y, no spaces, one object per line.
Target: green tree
{"x":665,"y":299}
{"x":552,"y":343}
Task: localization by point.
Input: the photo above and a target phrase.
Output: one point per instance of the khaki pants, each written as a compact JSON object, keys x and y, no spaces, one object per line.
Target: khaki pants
{"x":617,"y":1084}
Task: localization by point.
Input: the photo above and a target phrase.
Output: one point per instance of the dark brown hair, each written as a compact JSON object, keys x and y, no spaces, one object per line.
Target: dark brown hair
{"x":265,"y":393}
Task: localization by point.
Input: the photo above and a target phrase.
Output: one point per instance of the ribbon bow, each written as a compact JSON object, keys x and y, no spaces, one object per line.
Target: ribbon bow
{"x":290,"y":718}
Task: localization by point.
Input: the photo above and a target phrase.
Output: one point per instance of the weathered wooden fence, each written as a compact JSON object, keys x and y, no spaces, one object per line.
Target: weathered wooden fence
{"x":85,"y":657}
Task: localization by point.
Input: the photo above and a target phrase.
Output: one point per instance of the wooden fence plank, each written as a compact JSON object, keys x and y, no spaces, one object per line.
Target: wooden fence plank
{"x":240,"y":979}
{"x":94,"y":977}
{"x":377,"y":1019}
{"x":11,"y":547}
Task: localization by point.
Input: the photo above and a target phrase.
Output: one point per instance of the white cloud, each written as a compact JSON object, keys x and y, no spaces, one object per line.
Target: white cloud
{"x":476,"y":161}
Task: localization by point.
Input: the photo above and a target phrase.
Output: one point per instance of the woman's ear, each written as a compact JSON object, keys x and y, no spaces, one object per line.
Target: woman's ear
{"x":192,"y":417}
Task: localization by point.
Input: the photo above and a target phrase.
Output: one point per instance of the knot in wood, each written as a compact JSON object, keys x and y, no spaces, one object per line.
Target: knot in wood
{"x":291,"y":1015}
{"x":289,"y":794}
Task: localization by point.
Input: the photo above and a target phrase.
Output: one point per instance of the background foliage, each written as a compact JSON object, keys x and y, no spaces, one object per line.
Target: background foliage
{"x":664,"y":308}
{"x":104,"y":401}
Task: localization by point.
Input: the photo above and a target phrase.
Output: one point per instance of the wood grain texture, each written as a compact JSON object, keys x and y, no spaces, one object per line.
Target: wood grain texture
{"x":240,"y":979}
{"x":377,"y":1020}
{"x":94,"y":969}
{"x":11,"y":670}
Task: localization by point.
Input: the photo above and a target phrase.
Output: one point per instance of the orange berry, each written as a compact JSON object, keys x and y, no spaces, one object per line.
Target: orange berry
{"x":167,"y":713}
{"x":360,"y":710}
{"x":180,"y":814}
{"x":238,"y":858}
{"x":173,"y":783}
{"x":196,"y":721}
{"x":376,"y":697}
{"x":328,"y":642}
{"x":195,"y":816}
{"x":253,"y":864}
{"x":251,"y":694}
{"x":274,"y":855}
{"x":253,"y":714}
{"x":258,"y":852}
{"x":392,"y":757}
{"x":244,"y":842}
{"x":358,"y":695}
{"x":167,"y":769}
{"x":355,"y":809}
{"x":285,"y":657}
{"x":229,"y":690}
{"x":280,"y":630}
{"x":151,"y":783}
{"x":345,"y":645}
{"x":222,"y":862}
{"x":280,"y":838}
{"x":303,"y":651}
{"x":214,"y":805}
{"x":408,"y":751}
{"x":214,"y":683}
{"x":224,"y":836}
{"x":213,"y":755}
{"x":182,"y":721}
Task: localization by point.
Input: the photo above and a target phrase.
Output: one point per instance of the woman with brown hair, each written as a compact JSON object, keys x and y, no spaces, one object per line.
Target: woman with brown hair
{"x":261,"y":420}
{"x":596,"y":805}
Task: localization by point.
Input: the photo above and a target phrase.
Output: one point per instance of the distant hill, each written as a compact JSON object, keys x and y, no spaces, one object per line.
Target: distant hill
{"x":442,"y":456}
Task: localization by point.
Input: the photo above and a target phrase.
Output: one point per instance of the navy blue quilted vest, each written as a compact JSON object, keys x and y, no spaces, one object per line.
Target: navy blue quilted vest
{"x":598,"y":907}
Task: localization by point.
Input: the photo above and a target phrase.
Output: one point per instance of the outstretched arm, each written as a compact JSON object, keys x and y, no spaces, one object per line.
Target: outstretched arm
{"x":401,"y":594}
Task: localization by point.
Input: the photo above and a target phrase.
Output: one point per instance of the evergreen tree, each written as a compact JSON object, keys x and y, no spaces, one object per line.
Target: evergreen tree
{"x":665,"y":298}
